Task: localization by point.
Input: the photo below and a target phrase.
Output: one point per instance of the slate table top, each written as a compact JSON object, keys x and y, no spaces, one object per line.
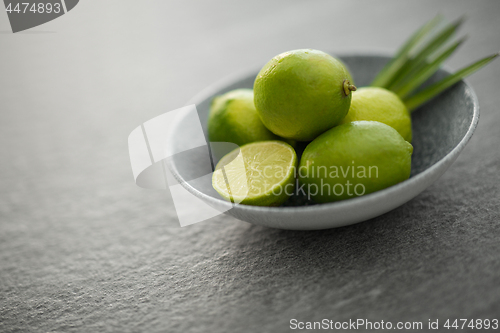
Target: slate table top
{"x":82,"y":249}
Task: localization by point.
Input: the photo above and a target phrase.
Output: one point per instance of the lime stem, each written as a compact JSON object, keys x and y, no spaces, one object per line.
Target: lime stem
{"x":348,"y":87}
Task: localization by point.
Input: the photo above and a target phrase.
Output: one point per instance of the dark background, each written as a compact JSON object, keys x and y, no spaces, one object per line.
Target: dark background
{"x":83,"y":249}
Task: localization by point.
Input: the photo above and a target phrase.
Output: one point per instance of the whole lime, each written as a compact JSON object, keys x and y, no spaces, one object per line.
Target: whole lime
{"x":354,"y":159}
{"x":302,"y":93}
{"x":379,"y":104}
{"x":233,"y":118}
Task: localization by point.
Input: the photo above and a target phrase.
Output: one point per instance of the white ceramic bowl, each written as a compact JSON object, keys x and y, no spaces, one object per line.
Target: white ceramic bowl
{"x":441,"y":129}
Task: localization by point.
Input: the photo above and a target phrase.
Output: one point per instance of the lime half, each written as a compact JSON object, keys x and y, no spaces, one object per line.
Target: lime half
{"x":259,"y":174}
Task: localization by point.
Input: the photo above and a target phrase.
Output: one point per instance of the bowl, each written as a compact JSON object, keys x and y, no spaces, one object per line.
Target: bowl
{"x":441,"y":129}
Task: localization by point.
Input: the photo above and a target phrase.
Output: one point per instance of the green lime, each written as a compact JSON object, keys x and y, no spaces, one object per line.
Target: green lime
{"x":233,"y":118}
{"x":354,"y":159}
{"x":302,"y":93}
{"x":259,"y":174}
{"x":348,"y":71}
{"x":379,"y":104}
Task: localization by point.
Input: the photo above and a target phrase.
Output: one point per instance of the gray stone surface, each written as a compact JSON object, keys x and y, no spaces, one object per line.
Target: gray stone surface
{"x":84,"y":250}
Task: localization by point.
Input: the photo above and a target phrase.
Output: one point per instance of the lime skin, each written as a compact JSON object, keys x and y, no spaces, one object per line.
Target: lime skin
{"x":233,"y":118}
{"x":348,"y":72}
{"x":302,"y":93}
{"x":354,"y":159}
{"x":379,"y":104}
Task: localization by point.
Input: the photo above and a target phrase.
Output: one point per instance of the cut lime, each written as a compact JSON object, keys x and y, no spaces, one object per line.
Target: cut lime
{"x":259,"y":174}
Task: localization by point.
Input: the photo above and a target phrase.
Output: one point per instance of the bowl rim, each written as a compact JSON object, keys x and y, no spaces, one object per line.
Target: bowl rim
{"x":349,"y":203}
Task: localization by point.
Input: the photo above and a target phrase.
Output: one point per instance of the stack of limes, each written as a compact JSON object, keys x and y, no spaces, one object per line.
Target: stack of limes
{"x":306,"y":95}
{"x":358,"y":140}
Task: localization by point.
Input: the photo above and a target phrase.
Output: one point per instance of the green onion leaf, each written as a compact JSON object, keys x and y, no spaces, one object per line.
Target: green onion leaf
{"x":422,"y":75}
{"x":427,"y":49}
{"x":386,"y":75}
{"x":430,"y":92}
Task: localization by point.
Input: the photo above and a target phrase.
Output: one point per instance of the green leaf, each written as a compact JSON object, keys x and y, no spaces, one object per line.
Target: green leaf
{"x":440,"y":39}
{"x":430,"y":92}
{"x":387,"y":73}
{"x":414,"y":81}
{"x":427,"y":49}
